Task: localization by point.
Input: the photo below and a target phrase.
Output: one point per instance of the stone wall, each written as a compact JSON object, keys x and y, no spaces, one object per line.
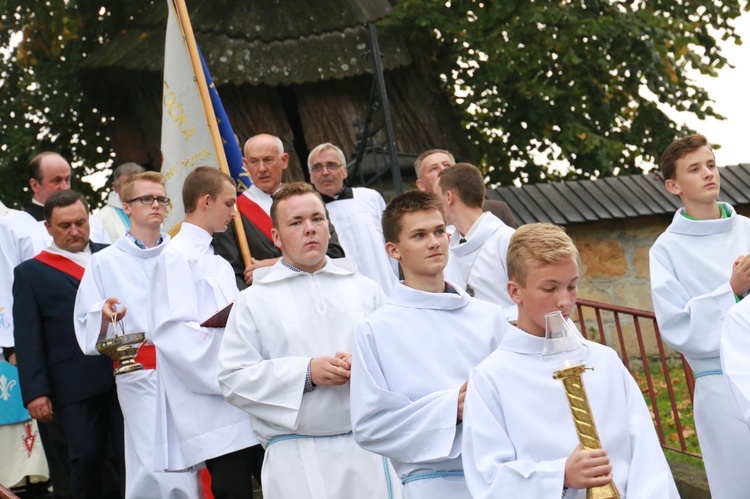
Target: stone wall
{"x":615,"y":270}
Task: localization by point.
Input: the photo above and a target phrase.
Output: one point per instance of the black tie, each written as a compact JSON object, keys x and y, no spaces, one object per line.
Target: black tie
{"x":462,"y":240}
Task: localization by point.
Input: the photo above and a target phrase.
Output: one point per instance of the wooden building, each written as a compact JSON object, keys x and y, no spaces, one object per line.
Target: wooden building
{"x":298,"y":70}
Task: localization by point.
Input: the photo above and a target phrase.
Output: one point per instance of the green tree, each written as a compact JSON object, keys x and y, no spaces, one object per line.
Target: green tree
{"x":574,"y":80}
{"x":42,"y":106}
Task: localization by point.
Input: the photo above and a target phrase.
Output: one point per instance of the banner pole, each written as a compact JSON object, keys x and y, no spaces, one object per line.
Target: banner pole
{"x":187,"y":31}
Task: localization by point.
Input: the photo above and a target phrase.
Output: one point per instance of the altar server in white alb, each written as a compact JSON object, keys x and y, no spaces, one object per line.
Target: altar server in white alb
{"x":480,"y":240}
{"x":412,"y":357}
{"x":355,"y":212}
{"x":285,"y":359}
{"x":112,"y":215}
{"x":116,"y":281}
{"x":194,"y":424}
{"x":519,"y":437}
{"x":699,"y":270}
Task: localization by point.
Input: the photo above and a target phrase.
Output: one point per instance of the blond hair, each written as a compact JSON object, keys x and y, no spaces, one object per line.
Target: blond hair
{"x":129,"y":186}
{"x":537,"y":245}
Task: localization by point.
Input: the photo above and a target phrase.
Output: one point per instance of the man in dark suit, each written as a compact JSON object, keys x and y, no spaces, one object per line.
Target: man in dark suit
{"x":428,"y":166}
{"x":57,"y":380}
{"x":265,"y":161}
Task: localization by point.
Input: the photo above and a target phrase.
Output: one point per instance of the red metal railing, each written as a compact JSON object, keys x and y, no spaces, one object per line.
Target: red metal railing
{"x":644,"y":337}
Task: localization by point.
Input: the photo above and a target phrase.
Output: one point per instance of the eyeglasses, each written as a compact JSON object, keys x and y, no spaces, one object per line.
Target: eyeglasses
{"x":331,"y":166}
{"x":149,"y":200}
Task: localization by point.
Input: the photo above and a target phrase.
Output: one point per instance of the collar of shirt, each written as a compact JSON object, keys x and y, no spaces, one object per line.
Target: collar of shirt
{"x":139,"y":243}
{"x":722,"y":210}
{"x":290,"y":266}
{"x":346,"y":193}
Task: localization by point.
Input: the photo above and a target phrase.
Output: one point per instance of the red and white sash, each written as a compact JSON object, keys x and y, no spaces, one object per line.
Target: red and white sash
{"x":253,"y":212}
{"x":61,"y":263}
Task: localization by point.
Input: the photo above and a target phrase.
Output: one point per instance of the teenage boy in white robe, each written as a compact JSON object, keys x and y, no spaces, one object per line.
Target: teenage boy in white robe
{"x":195,"y":425}
{"x":699,"y":270}
{"x":480,"y":240}
{"x":285,"y":359}
{"x":519,"y":436}
{"x":116,"y":281}
{"x":412,"y":357}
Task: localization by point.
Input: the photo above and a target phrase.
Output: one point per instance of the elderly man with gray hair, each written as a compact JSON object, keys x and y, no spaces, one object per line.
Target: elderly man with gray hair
{"x":112,"y":216}
{"x":355,"y":212}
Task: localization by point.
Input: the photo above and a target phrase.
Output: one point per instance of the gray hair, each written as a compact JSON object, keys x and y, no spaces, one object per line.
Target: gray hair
{"x":129,"y":168}
{"x":324,"y":147}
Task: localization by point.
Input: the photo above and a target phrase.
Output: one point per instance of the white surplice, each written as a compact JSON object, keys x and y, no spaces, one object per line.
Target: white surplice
{"x":22,"y":237}
{"x":735,"y":357}
{"x":357,"y":222}
{"x":519,"y":431}
{"x":124,"y":271}
{"x":481,"y":263}
{"x":111,"y":219}
{"x":194,"y":423}
{"x":691,"y":264}
{"x":276,"y":326}
{"x":410,"y":359}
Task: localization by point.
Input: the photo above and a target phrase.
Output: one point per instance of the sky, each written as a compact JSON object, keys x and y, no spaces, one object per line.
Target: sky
{"x":731,"y":93}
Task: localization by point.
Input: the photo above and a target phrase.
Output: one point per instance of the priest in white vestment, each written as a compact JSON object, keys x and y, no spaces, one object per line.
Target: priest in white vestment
{"x":355,"y":212}
{"x":479,"y":242}
{"x":285,"y":359}
{"x":120,"y":275}
{"x":195,"y":426}
{"x":412,"y":357}
{"x":699,"y":270}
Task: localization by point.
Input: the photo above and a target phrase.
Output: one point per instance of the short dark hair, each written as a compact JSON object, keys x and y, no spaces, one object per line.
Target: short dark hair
{"x":201,"y":181}
{"x":61,"y":199}
{"x":678,"y":149}
{"x":428,"y":152}
{"x":408,"y":202}
{"x":35,"y":165}
{"x":289,"y":190}
{"x":466,"y":181}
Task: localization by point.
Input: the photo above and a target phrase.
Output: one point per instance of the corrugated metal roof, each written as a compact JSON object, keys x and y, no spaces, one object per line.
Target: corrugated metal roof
{"x":263,"y":42}
{"x":626,"y":196}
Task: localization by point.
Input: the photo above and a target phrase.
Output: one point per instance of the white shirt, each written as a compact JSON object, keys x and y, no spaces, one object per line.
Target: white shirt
{"x":481,"y":262}
{"x":194,"y":422}
{"x":410,"y":359}
{"x":276,"y":326}
{"x":357,"y":222}
{"x":691,"y":264}
{"x":519,"y":431}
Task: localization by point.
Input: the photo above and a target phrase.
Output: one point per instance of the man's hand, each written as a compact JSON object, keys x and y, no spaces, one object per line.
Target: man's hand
{"x":346,"y":357}
{"x":40,"y":409}
{"x":108,"y":310}
{"x":256,"y":264}
{"x":740,"y":280}
{"x":331,"y":371}
{"x":587,"y":468}
{"x":461,"y":398}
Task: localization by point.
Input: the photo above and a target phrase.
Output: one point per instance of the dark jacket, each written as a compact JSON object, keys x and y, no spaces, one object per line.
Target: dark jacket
{"x":50,"y":362}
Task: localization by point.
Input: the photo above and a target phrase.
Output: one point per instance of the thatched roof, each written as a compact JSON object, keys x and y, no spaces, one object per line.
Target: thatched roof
{"x":275,"y":42}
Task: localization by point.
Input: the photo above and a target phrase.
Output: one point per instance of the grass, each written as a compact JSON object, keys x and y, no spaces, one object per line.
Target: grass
{"x":682,"y":402}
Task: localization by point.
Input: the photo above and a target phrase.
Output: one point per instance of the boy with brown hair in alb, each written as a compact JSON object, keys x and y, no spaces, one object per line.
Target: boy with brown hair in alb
{"x":699,"y":270}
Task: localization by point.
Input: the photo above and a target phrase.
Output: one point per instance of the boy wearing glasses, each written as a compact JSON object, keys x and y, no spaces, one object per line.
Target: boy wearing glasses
{"x":107,"y":289}
{"x":356,"y":212}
